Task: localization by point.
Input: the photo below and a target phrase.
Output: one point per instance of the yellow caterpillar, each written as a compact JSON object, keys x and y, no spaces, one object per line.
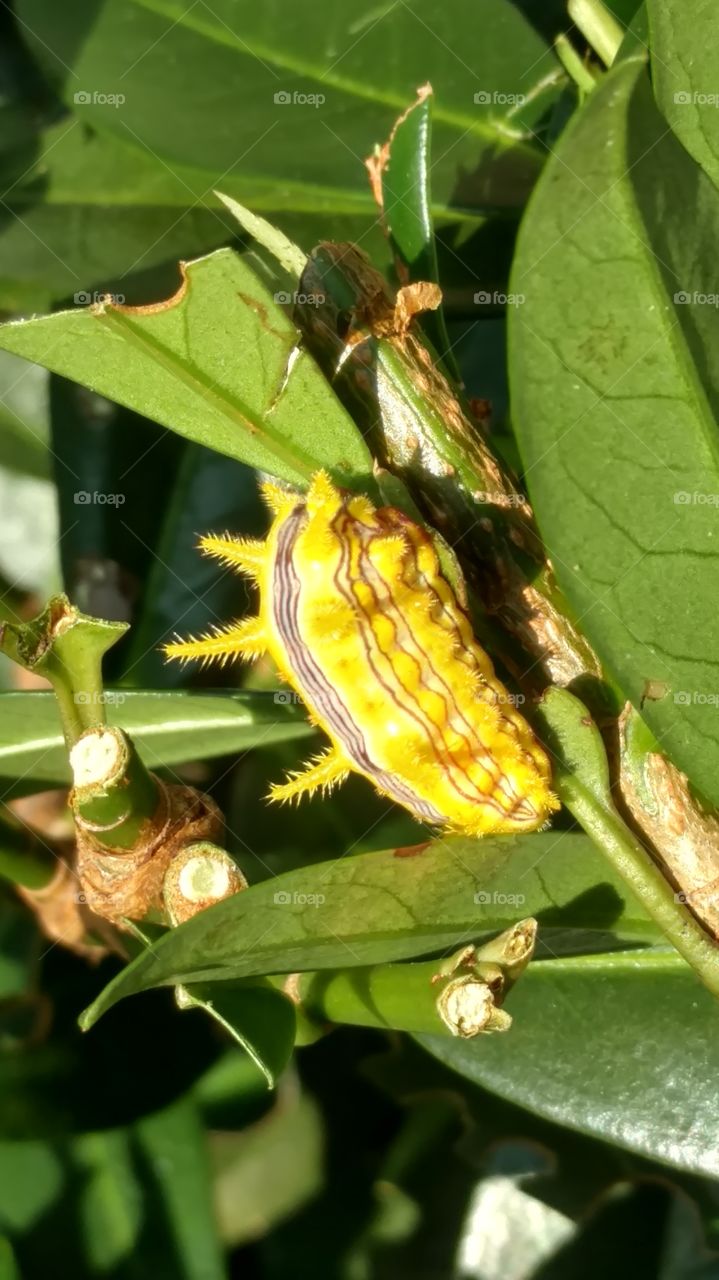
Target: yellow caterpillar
{"x":360,"y":622}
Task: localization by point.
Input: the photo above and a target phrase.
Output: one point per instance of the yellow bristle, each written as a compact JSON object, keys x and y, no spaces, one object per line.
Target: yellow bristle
{"x":322,"y":495}
{"x":244,"y":639}
{"x":249,"y":555}
{"x":280,"y":501}
{"x":323,"y":772}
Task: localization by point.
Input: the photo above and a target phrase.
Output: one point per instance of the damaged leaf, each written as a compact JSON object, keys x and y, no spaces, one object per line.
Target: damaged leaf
{"x":219,"y":363}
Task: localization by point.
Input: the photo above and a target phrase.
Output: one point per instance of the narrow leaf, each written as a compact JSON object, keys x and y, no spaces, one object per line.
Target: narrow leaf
{"x":623,"y":1046}
{"x":259,"y":1017}
{"x":378,"y":907}
{"x":167,"y":727}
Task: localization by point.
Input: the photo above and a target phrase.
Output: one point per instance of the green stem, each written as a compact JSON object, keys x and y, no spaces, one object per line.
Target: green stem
{"x":573,"y":65}
{"x":598,"y":26}
{"x":645,"y":879}
{"x":582,"y":782}
{"x":199,"y":875}
{"x":67,"y":648}
{"x":115,"y":798}
{"x":459,"y":995}
{"x":420,"y":429}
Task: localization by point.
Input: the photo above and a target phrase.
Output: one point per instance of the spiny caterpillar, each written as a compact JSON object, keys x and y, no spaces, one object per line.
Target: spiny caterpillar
{"x":360,"y":622}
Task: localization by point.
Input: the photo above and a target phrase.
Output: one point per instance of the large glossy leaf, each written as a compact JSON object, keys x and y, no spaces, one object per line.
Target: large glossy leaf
{"x":168,"y":727}
{"x":90,"y":213}
{"x":218,"y":363}
{"x":615,"y":384}
{"x":381,"y":906}
{"x":685,"y":73}
{"x":81,"y":212}
{"x":622,"y":1046}
{"x":245,"y":108}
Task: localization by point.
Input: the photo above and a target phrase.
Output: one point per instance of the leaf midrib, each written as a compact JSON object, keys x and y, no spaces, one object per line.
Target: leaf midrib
{"x":343,"y":84}
{"x":233,"y":408}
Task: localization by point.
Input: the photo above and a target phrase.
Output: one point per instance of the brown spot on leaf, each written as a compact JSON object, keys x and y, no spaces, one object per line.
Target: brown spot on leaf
{"x":412,"y":850}
{"x":263,"y":315}
{"x":653,"y":691}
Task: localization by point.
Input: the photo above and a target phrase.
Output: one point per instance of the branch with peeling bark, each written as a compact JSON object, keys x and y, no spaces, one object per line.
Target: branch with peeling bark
{"x":132,"y":831}
{"x":421,"y":430}
{"x":462,"y":995}
{"x":433,"y":456}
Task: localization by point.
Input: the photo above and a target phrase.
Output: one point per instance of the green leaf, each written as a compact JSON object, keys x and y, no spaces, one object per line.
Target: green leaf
{"x":685,"y":75}
{"x":378,"y":907}
{"x":636,"y":33}
{"x":615,"y":384}
{"x":21,"y":449}
{"x":405,"y":190}
{"x":23,"y":419}
{"x":25,"y":857}
{"x":407,"y":207}
{"x":259,"y":1017}
{"x":623,"y":1046}
{"x":265,"y":1172}
{"x":8,"y":1265}
{"x":18,"y":948}
{"x":218,"y":363}
{"x":32,"y":1179}
{"x":234,"y":114}
{"x":285,"y":252}
{"x":86,"y":210}
{"x":172,"y":1143}
{"x":167,"y":728}
{"x":111,"y":1195}
{"x":145,"y":1190}
{"x":110,"y":1208}
{"x":93,"y":213}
